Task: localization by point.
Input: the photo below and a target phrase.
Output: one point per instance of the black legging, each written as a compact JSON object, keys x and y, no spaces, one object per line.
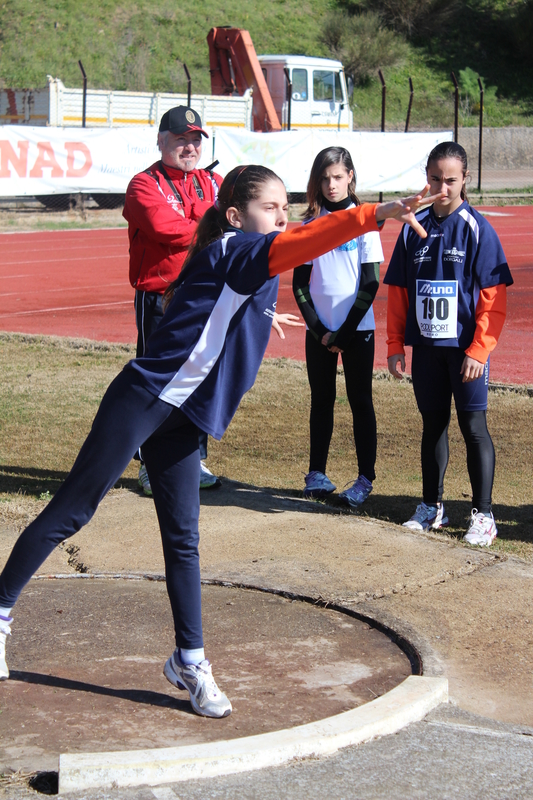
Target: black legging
{"x":480,"y":457}
{"x":358,"y":361}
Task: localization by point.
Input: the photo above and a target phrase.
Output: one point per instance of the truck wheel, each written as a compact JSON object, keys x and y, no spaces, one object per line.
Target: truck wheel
{"x":109,"y":200}
{"x":56,"y":202}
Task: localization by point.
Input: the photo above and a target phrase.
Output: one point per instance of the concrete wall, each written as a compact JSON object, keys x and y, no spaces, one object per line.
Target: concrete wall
{"x":503,"y":148}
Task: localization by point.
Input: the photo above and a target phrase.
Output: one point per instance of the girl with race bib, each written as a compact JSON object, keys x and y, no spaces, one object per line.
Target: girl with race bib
{"x":335,"y":292}
{"x":447,"y":299}
{"x":197,"y":365}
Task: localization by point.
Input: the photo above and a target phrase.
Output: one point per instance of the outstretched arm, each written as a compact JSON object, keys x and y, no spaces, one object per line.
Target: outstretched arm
{"x":404,"y":209}
{"x":301,"y":245}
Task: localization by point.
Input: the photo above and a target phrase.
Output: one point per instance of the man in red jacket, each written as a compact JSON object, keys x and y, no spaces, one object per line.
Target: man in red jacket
{"x":163,"y":205}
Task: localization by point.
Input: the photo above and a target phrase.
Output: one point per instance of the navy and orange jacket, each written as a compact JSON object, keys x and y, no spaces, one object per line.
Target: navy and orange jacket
{"x":207,"y":350}
{"x":462,"y":247}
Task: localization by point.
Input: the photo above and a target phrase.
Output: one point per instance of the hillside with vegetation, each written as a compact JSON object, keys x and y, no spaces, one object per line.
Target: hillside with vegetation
{"x":141,"y":45}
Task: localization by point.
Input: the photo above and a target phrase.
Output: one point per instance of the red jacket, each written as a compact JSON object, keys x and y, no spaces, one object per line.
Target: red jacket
{"x":161,"y":226}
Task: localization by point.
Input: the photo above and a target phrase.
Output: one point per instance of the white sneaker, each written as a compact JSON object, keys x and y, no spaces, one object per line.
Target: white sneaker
{"x":5,"y":631}
{"x":207,"y":479}
{"x":144,"y":481}
{"x":482,"y":529}
{"x":426,"y":517}
{"x":206,"y":698}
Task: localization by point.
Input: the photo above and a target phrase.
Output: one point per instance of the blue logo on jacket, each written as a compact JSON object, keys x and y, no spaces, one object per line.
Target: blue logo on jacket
{"x":351,"y":245}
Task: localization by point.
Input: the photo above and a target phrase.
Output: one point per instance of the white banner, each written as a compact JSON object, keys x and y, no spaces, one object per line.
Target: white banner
{"x":36,"y":161}
{"x":384,"y":162}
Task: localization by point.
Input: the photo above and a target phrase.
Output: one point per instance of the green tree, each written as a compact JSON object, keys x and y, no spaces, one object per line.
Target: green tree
{"x":362,"y":43}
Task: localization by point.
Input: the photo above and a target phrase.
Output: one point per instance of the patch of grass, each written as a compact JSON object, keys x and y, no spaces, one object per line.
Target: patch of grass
{"x":267,"y":445}
{"x":37,"y":219}
{"x":141,"y":45}
{"x":51,"y":389}
{"x":23,"y":216}
{"x":49,"y":395}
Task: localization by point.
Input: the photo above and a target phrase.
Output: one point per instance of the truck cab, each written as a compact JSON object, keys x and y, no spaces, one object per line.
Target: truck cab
{"x":319,"y":98}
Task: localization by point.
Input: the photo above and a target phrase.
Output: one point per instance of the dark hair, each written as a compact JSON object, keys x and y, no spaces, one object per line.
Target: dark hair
{"x":240,"y":186}
{"x":450,"y":150}
{"x":326,"y":158}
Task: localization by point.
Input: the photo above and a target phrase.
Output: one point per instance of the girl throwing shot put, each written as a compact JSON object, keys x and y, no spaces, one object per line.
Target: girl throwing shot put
{"x":197,"y":365}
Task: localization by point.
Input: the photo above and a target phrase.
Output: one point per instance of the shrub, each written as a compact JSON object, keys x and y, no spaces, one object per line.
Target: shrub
{"x":409,"y":17}
{"x":362,"y":43}
{"x":468,"y":83}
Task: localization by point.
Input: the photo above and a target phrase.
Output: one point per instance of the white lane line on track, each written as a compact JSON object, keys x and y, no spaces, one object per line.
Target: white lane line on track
{"x":40,"y":262}
{"x":65,"y":232}
{"x":63,"y":308}
{"x":59,"y":246}
{"x":64,"y":289}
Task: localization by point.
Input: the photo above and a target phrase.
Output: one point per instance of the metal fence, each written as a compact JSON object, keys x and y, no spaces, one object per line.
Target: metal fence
{"x":500,"y":162}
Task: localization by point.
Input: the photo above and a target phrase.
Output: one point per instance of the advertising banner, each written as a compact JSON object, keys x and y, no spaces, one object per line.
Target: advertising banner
{"x":42,"y":161}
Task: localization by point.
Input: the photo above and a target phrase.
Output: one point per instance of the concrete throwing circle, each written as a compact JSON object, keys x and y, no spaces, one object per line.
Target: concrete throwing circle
{"x":86,"y":659}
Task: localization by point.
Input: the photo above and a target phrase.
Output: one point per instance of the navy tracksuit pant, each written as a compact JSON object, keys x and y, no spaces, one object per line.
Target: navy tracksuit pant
{"x":128,"y":417}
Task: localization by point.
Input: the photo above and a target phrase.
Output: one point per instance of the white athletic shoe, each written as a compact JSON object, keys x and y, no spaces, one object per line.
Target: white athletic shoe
{"x":482,"y":529}
{"x":207,"y":479}
{"x":206,"y":698}
{"x":5,"y":631}
{"x":426,"y":517}
{"x":144,"y":481}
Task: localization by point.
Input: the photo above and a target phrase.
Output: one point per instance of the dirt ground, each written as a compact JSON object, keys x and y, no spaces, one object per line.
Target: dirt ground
{"x":468,"y":612}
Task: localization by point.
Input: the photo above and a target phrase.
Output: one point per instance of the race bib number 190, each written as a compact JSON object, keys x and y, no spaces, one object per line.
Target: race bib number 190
{"x":436,"y":309}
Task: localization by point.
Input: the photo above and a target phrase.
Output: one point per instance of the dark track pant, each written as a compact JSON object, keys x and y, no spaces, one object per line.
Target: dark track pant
{"x":358,"y":361}
{"x":128,"y":417}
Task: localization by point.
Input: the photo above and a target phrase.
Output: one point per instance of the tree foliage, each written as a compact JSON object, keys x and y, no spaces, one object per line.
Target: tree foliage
{"x":362,"y":43}
{"x":521,"y":29}
{"x":408,"y":17}
{"x":470,"y":91}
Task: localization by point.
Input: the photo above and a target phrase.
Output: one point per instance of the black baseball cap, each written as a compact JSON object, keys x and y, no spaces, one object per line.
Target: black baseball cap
{"x":181,"y":119}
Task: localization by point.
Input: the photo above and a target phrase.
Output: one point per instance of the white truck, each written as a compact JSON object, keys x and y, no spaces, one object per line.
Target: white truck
{"x":248,"y":92}
{"x":319,"y":95}
{"x":58,"y":106}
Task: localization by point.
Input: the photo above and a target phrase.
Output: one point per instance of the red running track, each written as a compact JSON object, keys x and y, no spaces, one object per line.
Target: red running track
{"x":75,"y":283}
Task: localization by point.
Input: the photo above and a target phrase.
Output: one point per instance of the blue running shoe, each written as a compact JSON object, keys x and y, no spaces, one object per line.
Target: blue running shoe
{"x":318,"y":485}
{"x":356,"y":495}
{"x":426,"y":517}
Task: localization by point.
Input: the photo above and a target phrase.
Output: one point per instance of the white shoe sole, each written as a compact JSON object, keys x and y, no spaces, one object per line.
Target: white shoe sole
{"x":172,"y":677}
